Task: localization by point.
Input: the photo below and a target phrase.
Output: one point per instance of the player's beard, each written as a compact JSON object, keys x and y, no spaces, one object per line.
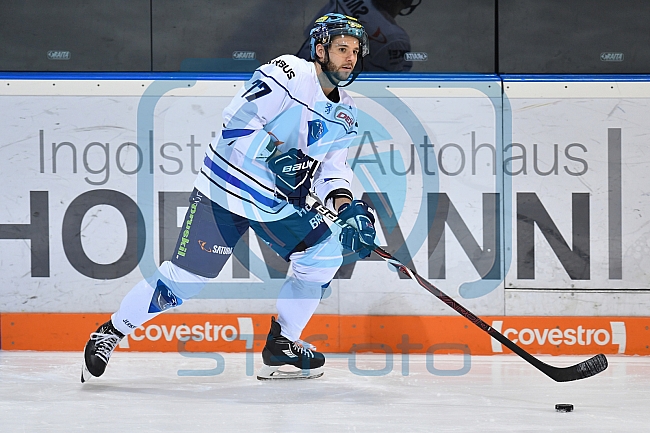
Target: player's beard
{"x":336,"y":74}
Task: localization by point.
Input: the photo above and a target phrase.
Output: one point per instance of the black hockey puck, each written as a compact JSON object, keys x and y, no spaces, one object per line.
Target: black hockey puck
{"x":564,"y":407}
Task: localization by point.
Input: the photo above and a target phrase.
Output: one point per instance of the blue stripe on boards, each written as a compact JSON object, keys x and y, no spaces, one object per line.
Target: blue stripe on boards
{"x":364,"y":77}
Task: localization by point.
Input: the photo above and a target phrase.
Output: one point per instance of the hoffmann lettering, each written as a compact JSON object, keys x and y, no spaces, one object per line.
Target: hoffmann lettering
{"x":576,"y":262}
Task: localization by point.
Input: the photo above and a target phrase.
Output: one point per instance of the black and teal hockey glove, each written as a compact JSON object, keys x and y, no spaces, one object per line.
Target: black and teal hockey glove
{"x":293,"y":171}
{"x":360,"y":236}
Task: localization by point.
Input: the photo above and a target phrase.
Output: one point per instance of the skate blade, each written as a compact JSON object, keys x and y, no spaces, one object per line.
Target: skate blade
{"x":85,"y":374}
{"x":271,"y":372}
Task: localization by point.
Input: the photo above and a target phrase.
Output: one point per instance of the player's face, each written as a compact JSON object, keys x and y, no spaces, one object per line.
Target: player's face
{"x":343,"y":53}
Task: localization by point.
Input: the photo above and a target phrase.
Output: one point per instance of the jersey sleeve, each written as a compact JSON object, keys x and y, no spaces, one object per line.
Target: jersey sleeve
{"x":333,"y":177}
{"x":261,"y":99}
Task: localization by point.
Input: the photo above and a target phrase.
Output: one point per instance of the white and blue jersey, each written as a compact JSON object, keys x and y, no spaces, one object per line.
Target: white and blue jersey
{"x":282,"y":106}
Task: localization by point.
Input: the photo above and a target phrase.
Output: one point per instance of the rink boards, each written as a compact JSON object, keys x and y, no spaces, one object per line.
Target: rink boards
{"x":524,"y":198}
{"x":391,"y":335}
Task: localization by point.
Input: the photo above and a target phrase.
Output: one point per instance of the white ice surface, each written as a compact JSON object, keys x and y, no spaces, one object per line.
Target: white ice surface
{"x":143,"y":392}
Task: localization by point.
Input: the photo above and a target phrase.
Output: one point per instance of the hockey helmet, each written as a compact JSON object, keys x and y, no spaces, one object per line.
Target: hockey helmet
{"x":334,"y":24}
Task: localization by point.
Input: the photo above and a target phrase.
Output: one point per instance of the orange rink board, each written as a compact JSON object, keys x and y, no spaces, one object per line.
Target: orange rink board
{"x":338,"y":334}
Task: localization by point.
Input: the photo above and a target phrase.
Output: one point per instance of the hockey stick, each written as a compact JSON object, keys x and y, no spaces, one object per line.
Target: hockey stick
{"x":582,"y":370}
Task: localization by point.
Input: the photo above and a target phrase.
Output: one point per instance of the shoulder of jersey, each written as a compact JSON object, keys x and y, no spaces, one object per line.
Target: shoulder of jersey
{"x":287,"y":68}
{"x":346,"y":98}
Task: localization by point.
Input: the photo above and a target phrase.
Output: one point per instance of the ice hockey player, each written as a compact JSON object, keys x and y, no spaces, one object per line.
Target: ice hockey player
{"x":285,"y":134}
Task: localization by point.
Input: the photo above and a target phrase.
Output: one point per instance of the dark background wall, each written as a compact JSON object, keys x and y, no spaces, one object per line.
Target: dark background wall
{"x":483,"y":36}
{"x":571,"y":36}
{"x":106,"y":35}
{"x":184,"y":33}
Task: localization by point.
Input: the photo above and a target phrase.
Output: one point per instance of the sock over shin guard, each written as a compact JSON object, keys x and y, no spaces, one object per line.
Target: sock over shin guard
{"x":150,"y":297}
{"x":296,"y":304}
{"x":142,"y":304}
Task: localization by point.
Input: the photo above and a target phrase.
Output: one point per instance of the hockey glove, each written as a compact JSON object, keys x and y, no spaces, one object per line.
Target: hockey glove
{"x":293,"y":171}
{"x":360,"y":236}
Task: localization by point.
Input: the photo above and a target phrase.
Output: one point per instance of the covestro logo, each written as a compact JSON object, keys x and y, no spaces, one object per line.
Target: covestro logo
{"x":563,"y":338}
{"x":206,"y":331}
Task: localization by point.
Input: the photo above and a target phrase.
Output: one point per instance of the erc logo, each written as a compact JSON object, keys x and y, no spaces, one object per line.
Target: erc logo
{"x":316,"y":130}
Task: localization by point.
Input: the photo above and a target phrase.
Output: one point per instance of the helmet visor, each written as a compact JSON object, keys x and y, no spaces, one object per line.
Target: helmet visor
{"x":358,"y":33}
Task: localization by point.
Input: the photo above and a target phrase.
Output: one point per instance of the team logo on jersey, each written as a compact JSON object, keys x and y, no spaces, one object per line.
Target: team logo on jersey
{"x":316,"y":130}
{"x":346,"y":116}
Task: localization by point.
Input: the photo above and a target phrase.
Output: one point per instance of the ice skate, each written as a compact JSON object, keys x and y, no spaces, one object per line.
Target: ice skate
{"x":280,"y":351}
{"x":98,"y":350}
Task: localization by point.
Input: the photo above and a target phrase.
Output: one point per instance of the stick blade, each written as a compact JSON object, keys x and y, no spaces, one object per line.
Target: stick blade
{"x":582,"y":370}
{"x":593,"y":366}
